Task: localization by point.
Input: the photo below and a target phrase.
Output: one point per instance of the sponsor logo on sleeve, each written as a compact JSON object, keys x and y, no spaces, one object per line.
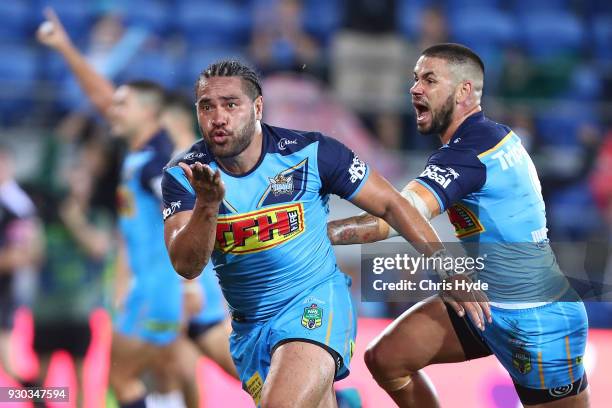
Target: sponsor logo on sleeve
{"x":168,"y":211}
{"x":357,"y":170}
{"x":442,"y":176}
{"x":466,"y":223}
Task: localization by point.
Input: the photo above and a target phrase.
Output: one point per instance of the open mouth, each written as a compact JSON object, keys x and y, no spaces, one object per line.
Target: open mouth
{"x":422,"y":111}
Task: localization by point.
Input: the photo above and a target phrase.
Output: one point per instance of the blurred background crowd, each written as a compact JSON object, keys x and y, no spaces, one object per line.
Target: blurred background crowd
{"x":343,"y":67}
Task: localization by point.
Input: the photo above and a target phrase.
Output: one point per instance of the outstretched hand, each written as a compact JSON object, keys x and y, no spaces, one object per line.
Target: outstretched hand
{"x":473,"y":302}
{"x":208,"y":186}
{"x":51,"y":32}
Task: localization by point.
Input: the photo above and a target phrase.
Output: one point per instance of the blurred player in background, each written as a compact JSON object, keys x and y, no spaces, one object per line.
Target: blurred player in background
{"x":149,"y":317}
{"x":155,"y":125}
{"x":79,"y":235}
{"x":254,"y":197}
{"x":483,"y":177}
{"x":20,"y":247}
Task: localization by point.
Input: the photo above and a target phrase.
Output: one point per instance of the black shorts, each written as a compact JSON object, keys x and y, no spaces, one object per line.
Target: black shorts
{"x":7,"y":310}
{"x":196,"y":329}
{"x":73,"y":337}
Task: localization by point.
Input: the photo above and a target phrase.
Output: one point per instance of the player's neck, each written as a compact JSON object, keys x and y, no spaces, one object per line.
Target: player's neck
{"x":182,"y":139}
{"x":245,"y":161}
{"x":456,"y":122}
{"x":142,"y":136}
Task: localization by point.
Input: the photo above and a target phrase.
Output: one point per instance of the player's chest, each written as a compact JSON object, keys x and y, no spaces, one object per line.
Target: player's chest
{"x":274,"y":183}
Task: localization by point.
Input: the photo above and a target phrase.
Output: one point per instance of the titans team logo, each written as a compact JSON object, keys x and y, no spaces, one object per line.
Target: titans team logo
{"x":286,"y":186}
{"x":281,"y":185}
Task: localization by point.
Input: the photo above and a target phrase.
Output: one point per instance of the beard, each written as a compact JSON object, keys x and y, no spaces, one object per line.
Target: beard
{"x":237,"y":143}
{"x":441,"y":119}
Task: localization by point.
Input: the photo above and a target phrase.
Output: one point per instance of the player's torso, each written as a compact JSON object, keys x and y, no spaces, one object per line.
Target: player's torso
{"x":271,"y":228}
{"x":139,"y":217}
{"x":509,"y":207}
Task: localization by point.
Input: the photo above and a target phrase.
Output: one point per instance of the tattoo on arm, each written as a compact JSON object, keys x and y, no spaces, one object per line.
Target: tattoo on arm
{"x":355,"y":230}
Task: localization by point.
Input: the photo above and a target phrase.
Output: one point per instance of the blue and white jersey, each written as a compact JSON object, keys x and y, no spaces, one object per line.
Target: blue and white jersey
{"x":141,"y":225}
{"x":272,"y":239}
{"x":486,"y":182}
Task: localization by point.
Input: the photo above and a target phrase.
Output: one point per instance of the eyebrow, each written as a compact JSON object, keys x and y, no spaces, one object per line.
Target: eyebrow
{"x":225,"y":98}
{"x":426,"y":74}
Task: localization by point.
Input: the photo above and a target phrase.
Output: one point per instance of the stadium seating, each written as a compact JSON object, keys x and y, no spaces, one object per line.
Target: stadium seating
{"x":209,"y":23}
{"x":322,"y":18}
{"x":408,"y":17}
{"x":153,"y":15}
{"x":15,"y":21}
{"x":18,"y":74}
{"x":551,"y":34}
{"x":602,"y":38}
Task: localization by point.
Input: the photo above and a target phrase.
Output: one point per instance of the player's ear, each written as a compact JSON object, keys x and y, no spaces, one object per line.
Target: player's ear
{"x":463,"y":91}
{"x":258,"y":106}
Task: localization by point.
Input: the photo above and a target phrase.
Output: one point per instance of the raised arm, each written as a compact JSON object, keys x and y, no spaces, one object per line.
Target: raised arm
{"x":99,"y":90}
{"x":190,"y":235}
{"x":367,"y":228}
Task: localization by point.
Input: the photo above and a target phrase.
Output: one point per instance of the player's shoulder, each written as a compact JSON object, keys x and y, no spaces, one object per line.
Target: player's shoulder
{"x":197,"y":152}
{"x":477,"y":134}
{"x":288,"y":141}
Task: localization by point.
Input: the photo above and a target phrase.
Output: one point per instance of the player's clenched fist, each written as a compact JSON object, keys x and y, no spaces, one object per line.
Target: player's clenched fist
{"x":51,"y":32}
{"x":208,"y":186}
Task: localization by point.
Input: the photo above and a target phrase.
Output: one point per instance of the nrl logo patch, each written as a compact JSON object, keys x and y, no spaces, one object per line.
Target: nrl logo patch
{"x":312,"y":317}
{"x":521,"y":360}
{"x":281,"y":184}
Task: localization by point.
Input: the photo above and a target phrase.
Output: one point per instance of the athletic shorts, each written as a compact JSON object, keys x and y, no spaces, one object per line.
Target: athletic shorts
{"x":8,"y":304}
{"x":541,"y":347}
{"x":73,"y":337}
{"x":324,"y":315}
{"x":152,"y":314}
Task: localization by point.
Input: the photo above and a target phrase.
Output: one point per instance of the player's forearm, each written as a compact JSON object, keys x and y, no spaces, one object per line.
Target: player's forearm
{"x":411,"y":225}
{"x":360,"y":229}
{"x":98,"y":89}
{"x":191,"y":246}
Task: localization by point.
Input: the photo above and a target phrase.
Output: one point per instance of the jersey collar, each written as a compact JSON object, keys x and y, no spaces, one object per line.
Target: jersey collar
{"x":470,"y":120}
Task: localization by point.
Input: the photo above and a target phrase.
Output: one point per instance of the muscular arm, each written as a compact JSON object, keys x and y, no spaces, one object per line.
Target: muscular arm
{"x":190,"y":239}
{"x":367,"y":228}
{"x":99,"y":90}
{"x":381,"y":200}
{"x":190,"y":235}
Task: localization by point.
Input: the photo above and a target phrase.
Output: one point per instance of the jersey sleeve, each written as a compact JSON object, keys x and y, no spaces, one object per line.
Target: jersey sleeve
{"x":341,"y":171}
{"x":451,"y":174}
{"x":152,"y":173}
{"x":177,"y":193}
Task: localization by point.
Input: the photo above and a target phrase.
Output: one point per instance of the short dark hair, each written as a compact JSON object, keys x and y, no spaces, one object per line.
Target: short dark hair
{"x":149,"y":88}
{"x":178,"y":101}
{"x":454,"y":53}
{"x":231,"y":68}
